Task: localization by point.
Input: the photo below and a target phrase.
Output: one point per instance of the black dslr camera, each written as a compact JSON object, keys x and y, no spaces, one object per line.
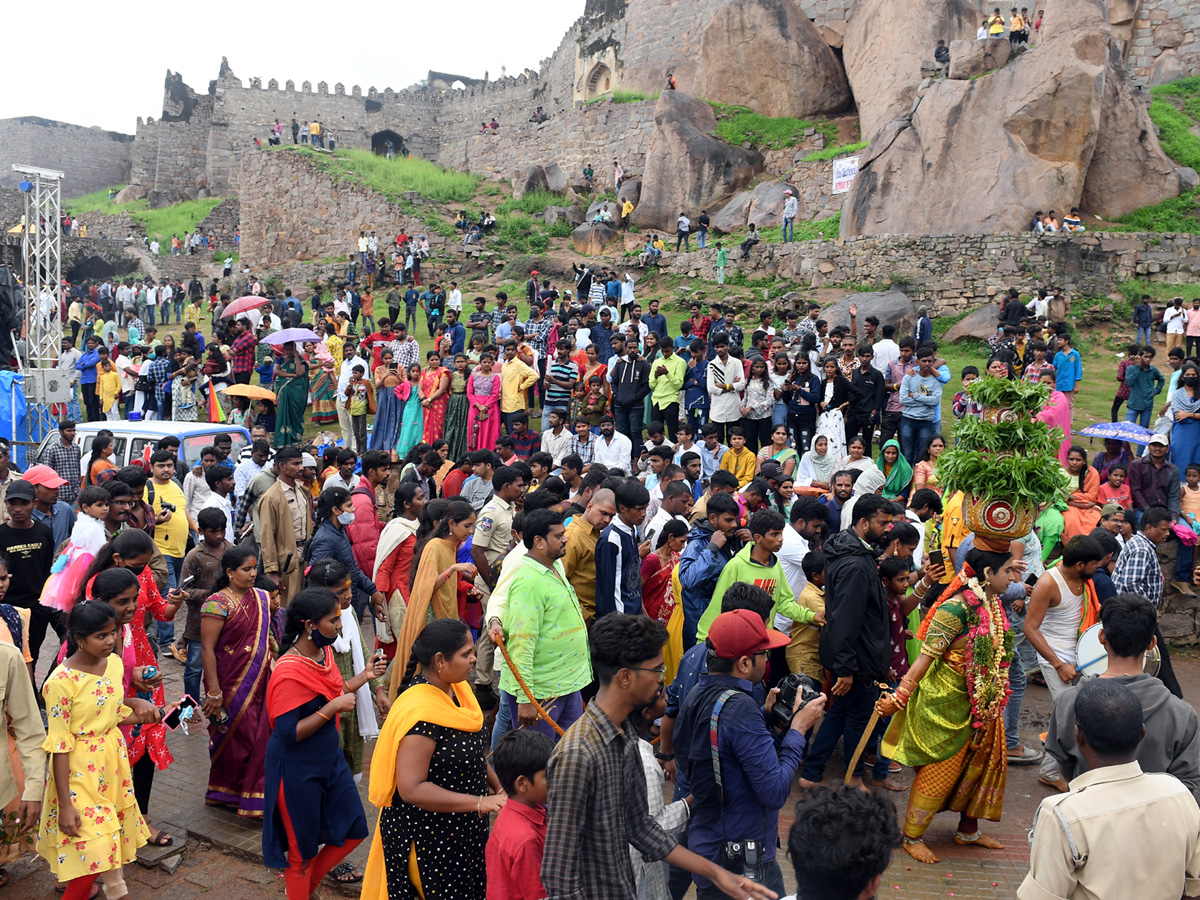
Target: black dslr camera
{"x":782,"y":712}
{"x":743,"y":858}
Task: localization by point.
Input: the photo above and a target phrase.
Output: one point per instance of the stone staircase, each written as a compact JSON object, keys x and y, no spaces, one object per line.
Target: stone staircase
{"x":222,"y":223}
{"x":175,"y":268}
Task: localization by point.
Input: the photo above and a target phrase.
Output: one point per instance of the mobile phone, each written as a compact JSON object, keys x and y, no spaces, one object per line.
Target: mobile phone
{"x":183,"y":584}
{"x":936,"y":558}
{"x":176,"y":715}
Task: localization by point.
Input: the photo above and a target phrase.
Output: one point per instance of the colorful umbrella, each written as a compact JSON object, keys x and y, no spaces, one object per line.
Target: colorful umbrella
{"x":1119,"y":431}
{"x":254,"y":392}
{"x":242,"y":304}
{"x":291,"y":334}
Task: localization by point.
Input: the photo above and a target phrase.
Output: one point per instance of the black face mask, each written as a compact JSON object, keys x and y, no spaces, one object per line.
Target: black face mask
{"x":136,"y":570}
{"x":320,"y":640}
{"x":1190,"y":379}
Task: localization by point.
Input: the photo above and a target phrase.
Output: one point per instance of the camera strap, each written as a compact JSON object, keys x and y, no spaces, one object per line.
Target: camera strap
{"x":716,"y":756}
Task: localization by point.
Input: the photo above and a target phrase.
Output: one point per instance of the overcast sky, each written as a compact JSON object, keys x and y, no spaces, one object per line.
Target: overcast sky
{"x":106,"y":62}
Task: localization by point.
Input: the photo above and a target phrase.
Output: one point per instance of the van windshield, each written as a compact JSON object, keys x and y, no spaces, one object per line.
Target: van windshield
{"x":193,"y":444}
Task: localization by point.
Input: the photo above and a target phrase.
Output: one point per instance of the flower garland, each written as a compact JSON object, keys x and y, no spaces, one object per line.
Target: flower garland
{"x":988,"y":658}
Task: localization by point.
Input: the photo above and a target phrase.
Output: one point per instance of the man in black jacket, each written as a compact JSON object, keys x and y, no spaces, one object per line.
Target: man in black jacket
{"x":855,"y":642}
{"x":867,"y":395}
{"x":630,"y":385}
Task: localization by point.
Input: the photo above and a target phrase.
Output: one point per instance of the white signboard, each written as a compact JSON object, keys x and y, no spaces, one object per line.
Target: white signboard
{"x":844,"y":171}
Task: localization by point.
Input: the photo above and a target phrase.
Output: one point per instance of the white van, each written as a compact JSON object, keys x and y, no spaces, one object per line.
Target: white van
{"x":130,"y":439}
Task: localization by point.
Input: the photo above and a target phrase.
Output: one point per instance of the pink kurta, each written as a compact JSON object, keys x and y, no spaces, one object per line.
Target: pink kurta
{"x":1057,"y":414}
{"x":483,"y":389}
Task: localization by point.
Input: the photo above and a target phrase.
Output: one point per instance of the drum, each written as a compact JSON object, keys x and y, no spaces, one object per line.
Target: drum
{"x":1092,"y":658}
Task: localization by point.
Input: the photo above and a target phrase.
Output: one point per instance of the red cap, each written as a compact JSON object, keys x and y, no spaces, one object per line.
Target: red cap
{"x":45,"y":476}
{"x":742,"y":633}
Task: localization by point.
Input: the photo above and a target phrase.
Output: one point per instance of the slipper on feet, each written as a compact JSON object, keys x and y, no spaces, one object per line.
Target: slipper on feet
{"x":1027,"y":757}
{"x":344,"y":873}
{"x":161,"y":839}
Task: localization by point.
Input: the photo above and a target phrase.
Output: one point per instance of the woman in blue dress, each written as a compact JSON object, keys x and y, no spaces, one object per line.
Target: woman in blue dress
{"x":311,"y":799}
{"x":1185,"y":411}
{"x":390,"y":411}
{"x":412,"y":424}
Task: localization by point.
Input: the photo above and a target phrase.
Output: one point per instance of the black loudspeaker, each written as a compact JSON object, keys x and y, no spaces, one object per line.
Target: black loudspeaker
{"x":12,"y":306}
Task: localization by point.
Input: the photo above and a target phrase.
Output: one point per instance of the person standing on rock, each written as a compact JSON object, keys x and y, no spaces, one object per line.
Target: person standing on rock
{"x":626,"y":212}
{"x":702,"y":224}
{"x":295,"y":130}
{"x":683,"y":232}
{"x":618,"y":174}
{"x":791,"y":208}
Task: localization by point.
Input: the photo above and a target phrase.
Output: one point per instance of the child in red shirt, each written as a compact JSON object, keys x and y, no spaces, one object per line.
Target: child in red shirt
{"x":1116,"y":489}
{"x":514,"y":849}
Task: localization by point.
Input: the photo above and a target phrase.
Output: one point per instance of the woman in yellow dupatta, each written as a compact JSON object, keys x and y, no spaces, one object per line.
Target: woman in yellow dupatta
{"x":431,"y":779}
{"x":434,"y":592}
{"x":948,"y":709}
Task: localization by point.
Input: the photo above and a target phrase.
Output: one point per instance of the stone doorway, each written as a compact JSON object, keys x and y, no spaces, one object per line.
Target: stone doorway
{"x":599,"y":82}
{"x":379,"y":143}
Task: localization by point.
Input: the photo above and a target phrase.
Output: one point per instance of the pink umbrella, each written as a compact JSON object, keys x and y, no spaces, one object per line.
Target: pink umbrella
{"x":241,"y":304}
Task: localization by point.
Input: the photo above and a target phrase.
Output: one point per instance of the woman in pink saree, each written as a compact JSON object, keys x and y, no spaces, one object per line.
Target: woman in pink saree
{"x":235,"y":639}
{"x":435,"y":387}
{"x":483,"y":393}
{"x":1057,"y":414}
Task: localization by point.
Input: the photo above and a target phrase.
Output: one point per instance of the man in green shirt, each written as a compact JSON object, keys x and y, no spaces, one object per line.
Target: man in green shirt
{"x":666,"y":381}
{"x":544,"y":630}
{"x":722,"y":262}
{"x":758,"y":563}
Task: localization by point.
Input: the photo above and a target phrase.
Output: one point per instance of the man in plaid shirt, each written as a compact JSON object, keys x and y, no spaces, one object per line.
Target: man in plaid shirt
{"x":160,"y":373}
{"x":241,"y":351}
{"x":63,"y":457}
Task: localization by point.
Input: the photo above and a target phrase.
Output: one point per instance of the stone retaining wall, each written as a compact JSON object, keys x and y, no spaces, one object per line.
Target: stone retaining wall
{"x":89,"y":158}
{"x":955,"y":273}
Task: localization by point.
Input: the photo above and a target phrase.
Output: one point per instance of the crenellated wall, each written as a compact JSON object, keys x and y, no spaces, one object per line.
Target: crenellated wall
{"x":90,"y":158}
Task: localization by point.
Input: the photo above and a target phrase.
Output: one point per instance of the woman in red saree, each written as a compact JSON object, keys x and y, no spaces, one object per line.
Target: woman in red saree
{"x":483,"y":393}
{"x":235,"y":641}
{"x":435,"y":387}
{"x":659,"y":597}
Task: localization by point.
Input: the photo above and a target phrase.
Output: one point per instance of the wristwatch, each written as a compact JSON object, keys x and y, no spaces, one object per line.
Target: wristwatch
{"x":665,"y":757}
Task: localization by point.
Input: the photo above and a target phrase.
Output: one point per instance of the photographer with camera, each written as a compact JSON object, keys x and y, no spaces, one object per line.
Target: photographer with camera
{"x":723,"y":739}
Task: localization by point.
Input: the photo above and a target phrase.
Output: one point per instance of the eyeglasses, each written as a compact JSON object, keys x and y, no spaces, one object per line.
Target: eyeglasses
{"x":658,"y":670}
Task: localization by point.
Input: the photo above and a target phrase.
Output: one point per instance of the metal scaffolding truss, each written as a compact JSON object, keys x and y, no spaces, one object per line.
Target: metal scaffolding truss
{"x":43,"y":278}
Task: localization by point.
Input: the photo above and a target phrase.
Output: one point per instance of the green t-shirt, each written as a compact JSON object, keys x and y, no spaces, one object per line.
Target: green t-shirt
{"x":722,"y":257}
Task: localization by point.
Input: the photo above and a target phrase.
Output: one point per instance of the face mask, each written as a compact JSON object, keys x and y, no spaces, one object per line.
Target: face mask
{"x":152,"y":355}
{"x":346,"y":518}
{"x":320,"y":640}
{"x":136,"y":570}
{"x":1190,"y":379}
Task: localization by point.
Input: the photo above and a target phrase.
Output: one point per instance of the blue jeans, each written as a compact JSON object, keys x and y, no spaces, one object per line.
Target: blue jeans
{"x":73,"y":412}
{"x":1012,"y":709}
{"x":914,"y":435}
{"x":192,"y":670}
{"x":702,"y":237}
{"x":166,"y":630}
{"x":789,"y":225}
{"x":1143,"y":335}
{"x":504,"y":722}
{"x":1141,"y":416}
{"x":847,"y":717}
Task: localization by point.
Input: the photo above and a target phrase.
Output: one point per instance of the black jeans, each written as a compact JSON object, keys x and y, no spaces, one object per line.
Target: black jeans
{"x":39,"y":618}
{"x":1193,"y":344}
{"x":801,"y":428}
{"x":859,"y":424}
{"x":758,"y":432}
{"x":669,"y":416}
{"x":91,"y":402}
{"x":889,"y":426}
{"x":847,"y":718}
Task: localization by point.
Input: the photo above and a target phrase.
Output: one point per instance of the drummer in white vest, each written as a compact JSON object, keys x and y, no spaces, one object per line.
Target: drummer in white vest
{"x":1052,"y":623}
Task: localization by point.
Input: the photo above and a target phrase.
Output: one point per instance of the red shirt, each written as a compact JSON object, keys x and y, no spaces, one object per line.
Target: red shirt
{"x":700,"y":329}
{"x":514,"y":853}
{"x":453,"y":483}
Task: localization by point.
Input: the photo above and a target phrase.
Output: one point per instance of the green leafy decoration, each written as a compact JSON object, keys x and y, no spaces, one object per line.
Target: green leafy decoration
{"x":1023,"y":397}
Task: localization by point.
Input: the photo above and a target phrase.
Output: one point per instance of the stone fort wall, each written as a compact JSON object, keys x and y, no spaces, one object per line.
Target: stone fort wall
{"x":90,"y":158}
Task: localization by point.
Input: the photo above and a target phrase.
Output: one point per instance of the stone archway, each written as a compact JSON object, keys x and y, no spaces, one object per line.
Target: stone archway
{"x":599,"y":82}
{"x":379,"y":143}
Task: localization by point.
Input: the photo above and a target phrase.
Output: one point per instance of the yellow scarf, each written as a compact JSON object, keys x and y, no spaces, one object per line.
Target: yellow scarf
{"x":420,"y":703}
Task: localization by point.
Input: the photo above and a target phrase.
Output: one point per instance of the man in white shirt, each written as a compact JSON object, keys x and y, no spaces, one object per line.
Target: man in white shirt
{"x":791,"y":209}
{"x":260,"y":452}
{"x":808,"y":523}
{"x":887,"y":351}
{"x":454,"y":299}
{"x":1175,"y":318}
{"x":164,"y":299}
{"x":676,"y":504}
{"x":151,"y":301}
{"x":350,"y":360}
{"x":613,"y":449}
{"x":556,"y":440}
{"x":220,"y":485}
{"x":195,"y":485}
{"x":67,"y":358}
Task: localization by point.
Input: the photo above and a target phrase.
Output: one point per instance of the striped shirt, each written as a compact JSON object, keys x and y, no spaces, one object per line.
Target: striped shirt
{"x":556,"y":396}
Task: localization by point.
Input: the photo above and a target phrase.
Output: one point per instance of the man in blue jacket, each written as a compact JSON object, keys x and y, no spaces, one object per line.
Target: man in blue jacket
{"x":711,"y":545}
{"x":87,"y":379}
{"x":737,"y":802}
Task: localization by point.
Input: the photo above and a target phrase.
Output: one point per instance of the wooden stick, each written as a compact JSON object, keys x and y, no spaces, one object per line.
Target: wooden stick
{"x":862,"y":742}
{"x":542,"y":714}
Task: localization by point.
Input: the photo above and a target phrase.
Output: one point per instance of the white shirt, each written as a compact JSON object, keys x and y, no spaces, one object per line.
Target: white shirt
{"x":127,"y":381}
{"x":886,"y":352}
{"x":1175,"y":319}
{"x":791,"y":558}
{"x":152,"y":296}
{"x":454,"y":300}
{"x":627,"y":291}
{"x":982,"y":33}
{"x":615,"y":454}
{"x":345,"y":374}
{"x":685,"y":223}
{"x":658,"y":523}
{"x":216,"y":501}
{"x":790,"y":208}
{"x":66,"y":364}
{"x":556,"y":445}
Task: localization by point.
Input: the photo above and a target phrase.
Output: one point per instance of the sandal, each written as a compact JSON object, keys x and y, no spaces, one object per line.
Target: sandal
{"x":344,"y":873}
{"x":161,"y":839}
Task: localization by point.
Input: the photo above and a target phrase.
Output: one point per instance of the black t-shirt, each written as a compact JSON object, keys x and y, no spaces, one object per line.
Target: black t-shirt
{"x":30,"y":553}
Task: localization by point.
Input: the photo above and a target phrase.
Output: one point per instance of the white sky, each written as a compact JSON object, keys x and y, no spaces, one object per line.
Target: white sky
{"x":106,"y":62}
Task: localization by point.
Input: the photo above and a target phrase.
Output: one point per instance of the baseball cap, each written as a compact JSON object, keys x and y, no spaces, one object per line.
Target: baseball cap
{"x":1159,"y":439}
{"x":771,"y":469}
{"x":307,"y":460}
{"x":20,"y":490}
{"x":587,"y":308}
{"x":742,"y":633}
{"x":1111,"y":508}
{"x":787,"y":193}
{"x":45,"y":476}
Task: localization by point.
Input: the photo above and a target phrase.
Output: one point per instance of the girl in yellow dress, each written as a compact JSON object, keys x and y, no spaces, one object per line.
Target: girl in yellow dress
{"x":90,"y":820}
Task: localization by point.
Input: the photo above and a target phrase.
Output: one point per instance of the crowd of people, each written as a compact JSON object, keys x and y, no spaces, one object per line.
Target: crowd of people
{"x":698,"y":566}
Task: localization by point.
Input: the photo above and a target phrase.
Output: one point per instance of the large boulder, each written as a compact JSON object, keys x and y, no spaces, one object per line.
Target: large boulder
{"x":890,"y":307}
{"x":767,"y":55}
{"x":971,"y":58}
{"x":572,"y":215}
{"x":763,"y":206}
{"x":130,"y":193}
{"x":1128,"y":169}
{"x":978,"y":325}
{"x":887,"y":43}
{"x":631,"y":190}
{"x":976,"y":156}
{"x":532,"y":178}
{"x":591,"y":239}
{"x":556,"y":178}
{"x":687,"y":169}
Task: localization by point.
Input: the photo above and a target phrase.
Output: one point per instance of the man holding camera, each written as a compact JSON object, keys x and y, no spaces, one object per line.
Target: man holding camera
{"x":723,"y":739}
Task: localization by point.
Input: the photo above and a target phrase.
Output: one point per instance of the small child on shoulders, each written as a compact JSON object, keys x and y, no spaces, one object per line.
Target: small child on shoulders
{"x":518,"y":839}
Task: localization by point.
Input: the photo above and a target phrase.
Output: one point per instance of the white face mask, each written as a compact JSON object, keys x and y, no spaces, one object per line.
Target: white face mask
{"x":346,"y":518}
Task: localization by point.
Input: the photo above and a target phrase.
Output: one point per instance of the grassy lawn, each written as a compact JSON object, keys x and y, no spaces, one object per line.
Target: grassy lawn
{"x":161,"y":223}
{"x":392,"y":177}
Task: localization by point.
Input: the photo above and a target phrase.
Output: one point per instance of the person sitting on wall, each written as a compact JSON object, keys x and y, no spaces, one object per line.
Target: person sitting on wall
{"x":941,"y":56}
{"x":1072,"y":224}
{"x":752,"y":238}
